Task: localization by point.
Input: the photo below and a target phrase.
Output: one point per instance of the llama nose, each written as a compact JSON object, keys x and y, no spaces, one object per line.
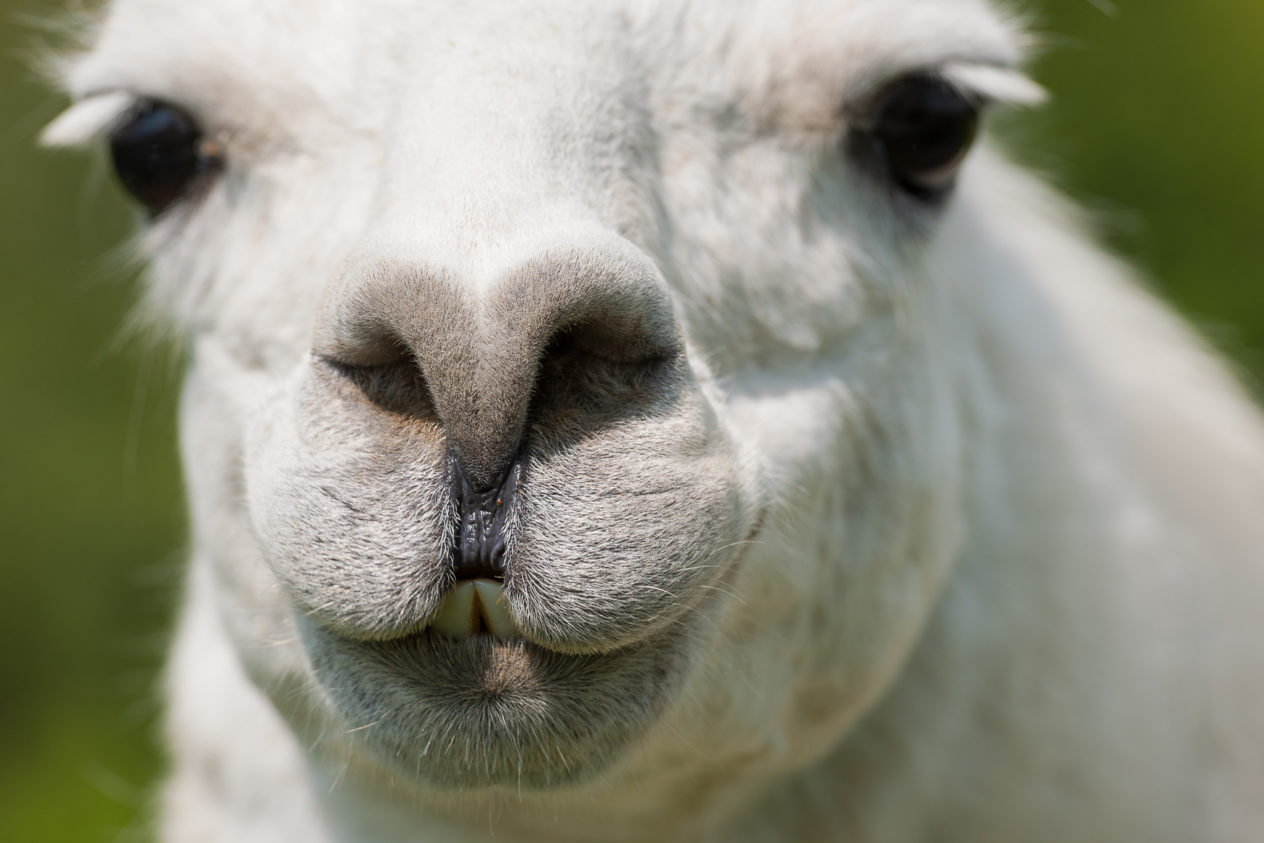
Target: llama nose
{"x":478,"y":357}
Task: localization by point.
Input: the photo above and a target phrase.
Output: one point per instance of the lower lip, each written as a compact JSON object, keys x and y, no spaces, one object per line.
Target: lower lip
{"x":481,"y":712}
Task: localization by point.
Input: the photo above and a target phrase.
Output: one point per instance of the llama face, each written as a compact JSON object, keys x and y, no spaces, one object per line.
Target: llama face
{"x":626,"y":310}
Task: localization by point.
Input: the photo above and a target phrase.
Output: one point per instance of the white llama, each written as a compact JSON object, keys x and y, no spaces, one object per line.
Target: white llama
{"x":642,"y":420}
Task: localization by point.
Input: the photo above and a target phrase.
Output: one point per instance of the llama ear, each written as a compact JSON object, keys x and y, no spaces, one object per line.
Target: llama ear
{"x":994,"y":83}
{"x":87,"y":120}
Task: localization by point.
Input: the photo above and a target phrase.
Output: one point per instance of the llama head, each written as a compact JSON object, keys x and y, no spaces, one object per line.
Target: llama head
{"x":636,"y":312}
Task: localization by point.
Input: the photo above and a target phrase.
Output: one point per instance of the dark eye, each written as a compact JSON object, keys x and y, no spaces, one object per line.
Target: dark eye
{"x":922,"y":128}
{"x":159,"y":154}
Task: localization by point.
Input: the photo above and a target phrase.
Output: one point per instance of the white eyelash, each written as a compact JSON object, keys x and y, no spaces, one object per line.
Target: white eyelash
{"x":87,"y":120}
{"x":994,"y":82}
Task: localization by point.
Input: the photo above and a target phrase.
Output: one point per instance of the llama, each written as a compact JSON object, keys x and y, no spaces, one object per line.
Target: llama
{"x":651,"y":421}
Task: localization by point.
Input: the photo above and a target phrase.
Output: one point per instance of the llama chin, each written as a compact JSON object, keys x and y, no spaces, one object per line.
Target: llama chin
{"x":650,"y":421}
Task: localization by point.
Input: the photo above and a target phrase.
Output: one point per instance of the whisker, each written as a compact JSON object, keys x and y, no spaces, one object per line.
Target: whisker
{"x":726,"y":592}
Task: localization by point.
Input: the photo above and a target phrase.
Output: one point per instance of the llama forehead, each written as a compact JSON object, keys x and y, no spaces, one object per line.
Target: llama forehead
{"x":804,"y":60}
{"x":260,"y":65}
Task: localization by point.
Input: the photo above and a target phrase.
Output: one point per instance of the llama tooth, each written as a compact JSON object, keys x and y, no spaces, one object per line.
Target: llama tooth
{"x":457,"y":617}
{"x":491,"y":596}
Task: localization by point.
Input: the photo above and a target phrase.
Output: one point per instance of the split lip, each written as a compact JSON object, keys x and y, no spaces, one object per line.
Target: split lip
{"x":473,"y":606}
{"x":481,"y":540}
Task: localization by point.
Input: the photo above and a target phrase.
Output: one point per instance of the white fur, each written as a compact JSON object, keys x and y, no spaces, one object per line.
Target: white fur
{"x":1005,"y":582}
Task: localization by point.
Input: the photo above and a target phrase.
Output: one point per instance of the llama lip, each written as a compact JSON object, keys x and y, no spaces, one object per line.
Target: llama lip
{"x":474,"y":606}
{"x":480,"y":712}
{"x":479,"y":545}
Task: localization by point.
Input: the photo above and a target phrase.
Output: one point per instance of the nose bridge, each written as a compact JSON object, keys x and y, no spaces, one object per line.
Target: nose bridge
{"x":482,"y":139}
{"x":554,"y":119}
{"x":479,"y":342}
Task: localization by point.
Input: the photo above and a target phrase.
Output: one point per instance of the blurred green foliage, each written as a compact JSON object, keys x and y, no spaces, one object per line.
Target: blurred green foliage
{"x":1157,"y":124}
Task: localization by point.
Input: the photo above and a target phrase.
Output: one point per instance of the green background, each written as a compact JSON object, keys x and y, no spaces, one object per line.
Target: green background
{"x":1157,"y":125}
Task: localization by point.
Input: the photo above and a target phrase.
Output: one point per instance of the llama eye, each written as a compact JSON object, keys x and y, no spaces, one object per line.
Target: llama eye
{"x":159,"y":152}
{"x":923,"y":128}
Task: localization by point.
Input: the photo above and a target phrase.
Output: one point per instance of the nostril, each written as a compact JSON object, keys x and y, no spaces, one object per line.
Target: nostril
{"x":600,"y":367}
{"x":391,"y":379}
{"x":616,"y":341}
